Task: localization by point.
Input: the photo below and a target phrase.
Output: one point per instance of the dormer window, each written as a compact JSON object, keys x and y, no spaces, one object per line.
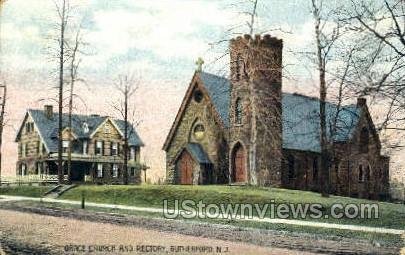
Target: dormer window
{"x":65,"y":146}
{"x":85,"y":128}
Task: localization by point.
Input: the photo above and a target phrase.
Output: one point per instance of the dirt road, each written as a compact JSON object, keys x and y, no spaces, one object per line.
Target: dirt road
{"x":32,"y":233}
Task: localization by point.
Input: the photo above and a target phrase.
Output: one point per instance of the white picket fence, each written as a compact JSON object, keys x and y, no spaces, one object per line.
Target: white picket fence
{"x":30,"y":179}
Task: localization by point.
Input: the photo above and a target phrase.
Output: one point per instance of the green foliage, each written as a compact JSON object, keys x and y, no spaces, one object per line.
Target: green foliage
{"x":27,"y":191}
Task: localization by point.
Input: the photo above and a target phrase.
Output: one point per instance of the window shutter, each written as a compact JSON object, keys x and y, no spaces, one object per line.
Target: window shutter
{"x":111,"y":148}
{"x":118,"y":148}
{"x":102,"y":148}
{"x":95,"y":147}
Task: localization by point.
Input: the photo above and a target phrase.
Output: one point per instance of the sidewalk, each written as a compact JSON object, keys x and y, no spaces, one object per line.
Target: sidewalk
{"x":4,"y":198}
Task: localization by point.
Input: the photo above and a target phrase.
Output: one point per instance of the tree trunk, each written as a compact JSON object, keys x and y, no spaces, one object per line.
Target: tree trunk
{"x":2,"y":112}
{"x":69,"y":166}
{"x":322,"y":106}
{"x":61,"y":67}
{"x":125,"y":174}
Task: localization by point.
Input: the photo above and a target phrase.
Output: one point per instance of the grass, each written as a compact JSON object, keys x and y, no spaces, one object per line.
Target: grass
{"x":391,"y":215}
{"x":25,"y":190}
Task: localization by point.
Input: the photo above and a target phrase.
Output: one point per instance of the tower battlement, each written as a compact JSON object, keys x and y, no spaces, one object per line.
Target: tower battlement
{"x":258,"y":40}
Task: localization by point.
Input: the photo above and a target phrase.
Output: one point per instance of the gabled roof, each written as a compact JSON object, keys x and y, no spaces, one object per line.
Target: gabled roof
{"x":48,"y":127}
{"x":219,"y":90}
{"x":301,"y":122}
{"x":198,"y":153}
{"x":301,"y":118}
{"x":216,"y":88}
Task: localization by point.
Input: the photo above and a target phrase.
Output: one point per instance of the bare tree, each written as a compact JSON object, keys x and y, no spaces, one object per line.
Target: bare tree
{"x":62,"y":10}
{"x":379,"y":25}
{"x":324,"y":45}
{"x":68,"y":42}
{"x":3,"y":99}
{"x":2,"y":122}
{"x":73,"y":78}
{"x":127,"y":85}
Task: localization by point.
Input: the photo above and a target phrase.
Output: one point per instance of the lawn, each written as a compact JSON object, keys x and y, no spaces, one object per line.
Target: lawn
{"x":27,"y":191}
{"x":391,"y":215}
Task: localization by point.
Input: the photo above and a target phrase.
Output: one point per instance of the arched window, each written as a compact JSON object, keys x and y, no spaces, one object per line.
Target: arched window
{"x":291,"y":167}
{"x":364,"y":140}
{"x":315,"y":169}
{"x":238,"y":66}
{"x":368,"y":173}
{"x":199,"y":131}
{"x":238,"y":111}
{"x":361,"y":173}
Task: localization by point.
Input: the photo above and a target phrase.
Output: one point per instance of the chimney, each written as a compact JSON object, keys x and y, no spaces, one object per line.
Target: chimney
{"x":48,"y":111}
{"x":361,"y":101}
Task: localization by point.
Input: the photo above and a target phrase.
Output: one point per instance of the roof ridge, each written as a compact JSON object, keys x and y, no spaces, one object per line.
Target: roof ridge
{"x":94,"y":115}
{"x":221,"y":77}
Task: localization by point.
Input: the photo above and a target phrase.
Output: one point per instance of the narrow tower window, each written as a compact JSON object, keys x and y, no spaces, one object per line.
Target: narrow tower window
{"x":238,"y":66}
{"x":291,"y":167}
{"x":238,"y":111}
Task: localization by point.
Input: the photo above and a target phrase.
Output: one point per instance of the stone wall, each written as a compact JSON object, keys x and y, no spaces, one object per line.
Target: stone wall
{"x":304,"y":168}
{"x":214,"y":140}
{"x":256,"y":66}
{"x":344,"y":170}
{"x":352,"y":155}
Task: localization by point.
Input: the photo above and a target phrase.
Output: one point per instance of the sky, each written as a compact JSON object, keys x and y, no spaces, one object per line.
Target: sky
{"x":158,"y":40}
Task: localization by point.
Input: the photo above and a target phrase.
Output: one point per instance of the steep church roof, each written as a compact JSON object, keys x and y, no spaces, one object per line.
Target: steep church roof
{"x":301,"y":121}
{"x":219,"y":90}
{"x":48,"y":127}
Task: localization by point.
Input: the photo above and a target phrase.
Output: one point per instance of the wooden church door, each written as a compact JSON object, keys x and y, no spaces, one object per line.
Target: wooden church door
{"x":239,"y":164}
{"x":186,"y":168}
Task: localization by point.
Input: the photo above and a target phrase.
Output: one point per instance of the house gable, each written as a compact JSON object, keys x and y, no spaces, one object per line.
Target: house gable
{"x":65,"y":134}
{"x":366,"y":121}
{"x":107,"y":129}
{"x":199,"y":82}
{"x":37,"y":131}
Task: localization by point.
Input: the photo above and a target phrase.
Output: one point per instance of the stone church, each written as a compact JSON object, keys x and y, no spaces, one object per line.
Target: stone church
{"x":245,"y":130}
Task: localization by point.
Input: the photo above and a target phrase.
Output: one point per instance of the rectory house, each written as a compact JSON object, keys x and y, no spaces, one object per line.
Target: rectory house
{"x":245,"y":130}
{"x":96,"y":147}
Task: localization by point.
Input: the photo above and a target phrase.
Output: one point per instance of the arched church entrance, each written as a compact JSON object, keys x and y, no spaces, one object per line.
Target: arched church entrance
{"x":185,"y":167}
{"x":239,"y":164}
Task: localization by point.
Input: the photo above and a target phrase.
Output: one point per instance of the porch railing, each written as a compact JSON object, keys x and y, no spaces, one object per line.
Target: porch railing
{"x":30,"y":179}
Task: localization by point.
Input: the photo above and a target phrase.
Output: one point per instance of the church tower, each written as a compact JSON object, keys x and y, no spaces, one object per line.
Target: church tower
{"x":255,"y":110}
